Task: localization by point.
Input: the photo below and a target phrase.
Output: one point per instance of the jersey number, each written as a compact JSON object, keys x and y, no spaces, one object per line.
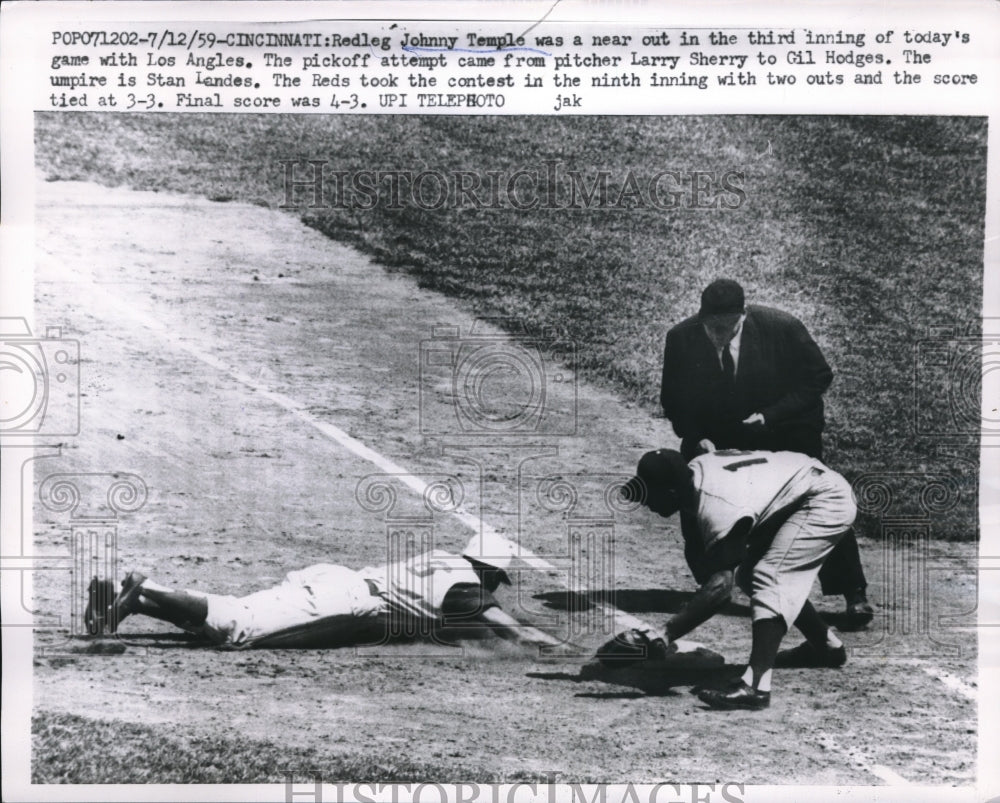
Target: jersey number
{"x":742,"y":463}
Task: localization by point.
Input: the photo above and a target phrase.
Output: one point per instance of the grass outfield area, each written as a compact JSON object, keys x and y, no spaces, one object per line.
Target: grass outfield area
{"x":72,"y":749}
{"x":869,"y":229}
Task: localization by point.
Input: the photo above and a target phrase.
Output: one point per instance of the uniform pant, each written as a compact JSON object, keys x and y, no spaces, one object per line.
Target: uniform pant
{"x":324,"y":605}
{"x":780,"y":569}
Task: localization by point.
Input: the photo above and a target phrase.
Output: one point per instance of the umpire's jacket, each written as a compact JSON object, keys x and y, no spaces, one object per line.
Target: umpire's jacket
{"x":781,"y":374}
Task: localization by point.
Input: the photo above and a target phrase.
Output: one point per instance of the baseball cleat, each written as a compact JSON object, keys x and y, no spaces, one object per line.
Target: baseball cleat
{"x":806,"y":656}
{"x":100,"y":593}
{"x":123,"y":604}
{"x":739,"y":696}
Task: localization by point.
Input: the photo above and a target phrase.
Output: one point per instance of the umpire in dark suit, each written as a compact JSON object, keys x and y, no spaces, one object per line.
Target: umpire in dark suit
{"x":751,"y":377}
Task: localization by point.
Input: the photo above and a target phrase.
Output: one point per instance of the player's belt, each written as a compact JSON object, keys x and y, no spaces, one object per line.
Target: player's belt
{"x":372,"y":588}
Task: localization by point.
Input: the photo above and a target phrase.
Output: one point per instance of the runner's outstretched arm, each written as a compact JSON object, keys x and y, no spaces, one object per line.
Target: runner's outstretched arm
{"x":506,"y":626}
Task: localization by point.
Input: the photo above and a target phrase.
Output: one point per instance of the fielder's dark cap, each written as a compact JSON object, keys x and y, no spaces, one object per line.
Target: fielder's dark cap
{"x":722,"y":297}
{"x":660,"y":470}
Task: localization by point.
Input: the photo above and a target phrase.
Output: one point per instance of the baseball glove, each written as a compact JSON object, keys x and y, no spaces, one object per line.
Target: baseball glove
{"x":631,"y":647}
{"x":100,"y":595}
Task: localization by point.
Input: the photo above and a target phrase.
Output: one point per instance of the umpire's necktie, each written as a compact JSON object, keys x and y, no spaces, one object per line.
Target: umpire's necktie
{"x":728,"y":369}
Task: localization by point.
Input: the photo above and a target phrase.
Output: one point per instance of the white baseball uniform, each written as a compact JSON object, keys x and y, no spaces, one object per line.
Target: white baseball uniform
{"x":769,"y":486}
{"x":328,"y":604}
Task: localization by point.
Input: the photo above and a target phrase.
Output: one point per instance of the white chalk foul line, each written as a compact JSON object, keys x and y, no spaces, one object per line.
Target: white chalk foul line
{"x":891,"y":777}
{"x":334,"y":433}
{"x":954,"y":683}
{"x":950,"y":681}
{"x":859,"y":760}
{"x":362,"y":450}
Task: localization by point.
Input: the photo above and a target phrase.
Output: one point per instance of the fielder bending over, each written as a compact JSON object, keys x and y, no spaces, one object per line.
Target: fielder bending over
{"x":768,"y":520}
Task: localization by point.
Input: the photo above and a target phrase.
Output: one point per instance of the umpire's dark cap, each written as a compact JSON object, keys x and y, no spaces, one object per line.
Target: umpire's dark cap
{"x":664,"y":469}
{"x":722,"y":297}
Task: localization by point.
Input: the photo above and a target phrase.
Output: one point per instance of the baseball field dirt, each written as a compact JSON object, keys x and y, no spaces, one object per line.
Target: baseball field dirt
{"x":220,"y":343}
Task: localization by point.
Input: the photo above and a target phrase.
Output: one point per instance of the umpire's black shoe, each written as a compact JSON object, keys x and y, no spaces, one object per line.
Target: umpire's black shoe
{"x":806,"y":656}
{"x":860,"y":614}
{"x":739,"y":696}
{"x":859,"y":611}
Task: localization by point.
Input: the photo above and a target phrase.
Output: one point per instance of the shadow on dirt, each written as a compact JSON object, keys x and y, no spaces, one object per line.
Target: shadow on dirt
{"x":159,"y":641}
{"x":452,"y":637}
{"x":631,"y":600}
{"x":652,"y":680}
